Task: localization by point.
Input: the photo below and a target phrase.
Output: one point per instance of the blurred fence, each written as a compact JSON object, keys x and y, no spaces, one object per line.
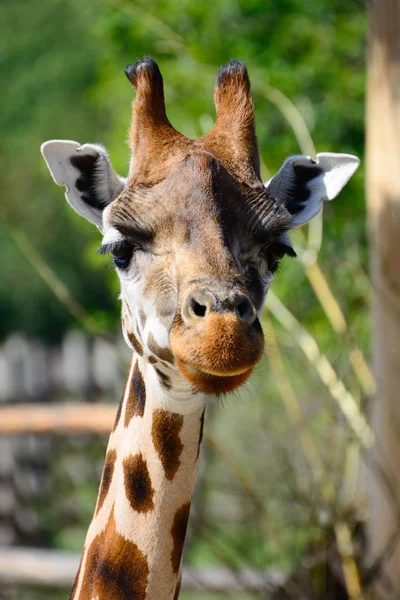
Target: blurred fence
{"x":81,"y":367}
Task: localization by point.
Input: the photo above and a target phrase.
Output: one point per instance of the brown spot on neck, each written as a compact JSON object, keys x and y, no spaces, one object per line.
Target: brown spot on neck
{"x":164,"y":379}
{"x":136,"y":400}
{"x":126,"y":306}
{"x":106,"y":478}
{"x":119,"y":410}
{"x":178,"y":532}
{"x":178,"y":588}
{"x":115,"y":568}
{"x":136,"y":345}
{"x":118,"y":415}
{"x":165,"y":431}
{"x":138,"y":486}
{"x":201,"y":432}
{"x":162,"y":353}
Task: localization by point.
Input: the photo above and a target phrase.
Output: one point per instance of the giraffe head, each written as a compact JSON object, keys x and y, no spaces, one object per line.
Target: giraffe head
{"x":194,"y":233}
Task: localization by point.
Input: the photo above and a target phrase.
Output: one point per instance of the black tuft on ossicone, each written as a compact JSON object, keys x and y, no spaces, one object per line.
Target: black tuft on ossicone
{"x":147,"y":65}
{"x":234,"y":69}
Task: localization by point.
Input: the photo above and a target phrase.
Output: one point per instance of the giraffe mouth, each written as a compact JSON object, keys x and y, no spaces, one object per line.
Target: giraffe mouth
{"x":217,"y":355}
{"x":214,"y":382}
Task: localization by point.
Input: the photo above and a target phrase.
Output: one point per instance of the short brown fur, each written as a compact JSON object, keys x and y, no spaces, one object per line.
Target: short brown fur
{"x":165,"y":433}
{"x":136,"y":401}
{"x":178,"y":533}
{"x":136,"y":345}
{"x":119,"y":409}
{"x":164,"y":353}
{"x":138,"y":486}
{"x":164,"y":379}
{"x":203,"y":414}
{"x":178,"y":589}
{"x":114,"y":568}
{"x":108,"y":471}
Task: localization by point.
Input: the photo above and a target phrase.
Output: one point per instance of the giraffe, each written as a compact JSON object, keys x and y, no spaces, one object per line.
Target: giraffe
{"x":196,"y":238}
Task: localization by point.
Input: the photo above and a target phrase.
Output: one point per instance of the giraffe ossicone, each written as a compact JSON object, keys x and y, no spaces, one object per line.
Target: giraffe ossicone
{"x":195,"y":237}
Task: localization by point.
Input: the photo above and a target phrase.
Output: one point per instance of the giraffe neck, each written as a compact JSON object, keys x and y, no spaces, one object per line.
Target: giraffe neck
{"x":134,"y":544}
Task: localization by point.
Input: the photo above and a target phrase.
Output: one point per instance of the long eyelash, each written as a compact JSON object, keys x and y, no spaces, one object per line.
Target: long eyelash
{"x":290,"y":252}
{"x":113,"y":247}
{"x":285,"y":250}
{"x":276,"y":268}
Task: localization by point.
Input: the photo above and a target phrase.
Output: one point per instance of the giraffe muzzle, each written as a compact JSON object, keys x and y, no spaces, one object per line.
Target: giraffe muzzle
{"x":216,"y":340}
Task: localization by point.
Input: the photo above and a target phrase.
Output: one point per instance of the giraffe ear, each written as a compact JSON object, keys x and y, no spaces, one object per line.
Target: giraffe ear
{"x":88,"y":175}
{"x":303,"y":183}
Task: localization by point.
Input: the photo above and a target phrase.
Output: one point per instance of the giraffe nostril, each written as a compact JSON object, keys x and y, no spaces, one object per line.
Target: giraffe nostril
{"x":197,"y":305}
{"x":198,"y":309}
{"x":201,"y":304}
{"x":245,"y":310}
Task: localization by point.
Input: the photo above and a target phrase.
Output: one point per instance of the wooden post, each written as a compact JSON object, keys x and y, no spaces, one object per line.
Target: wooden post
{"x":55,"y":418}
{"x":383,"y":199}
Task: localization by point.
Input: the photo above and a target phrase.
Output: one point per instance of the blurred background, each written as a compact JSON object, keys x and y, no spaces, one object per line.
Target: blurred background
{"x":281,"y":505}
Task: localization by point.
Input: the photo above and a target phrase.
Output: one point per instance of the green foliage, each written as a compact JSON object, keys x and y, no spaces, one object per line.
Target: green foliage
{"x":62,"y":64}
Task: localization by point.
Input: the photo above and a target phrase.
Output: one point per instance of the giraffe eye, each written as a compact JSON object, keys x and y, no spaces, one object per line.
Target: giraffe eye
{"x":273,"y":265}
{"x":121,"y":252}
{"x":122,"y":257}
{"x":275,"y":253}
